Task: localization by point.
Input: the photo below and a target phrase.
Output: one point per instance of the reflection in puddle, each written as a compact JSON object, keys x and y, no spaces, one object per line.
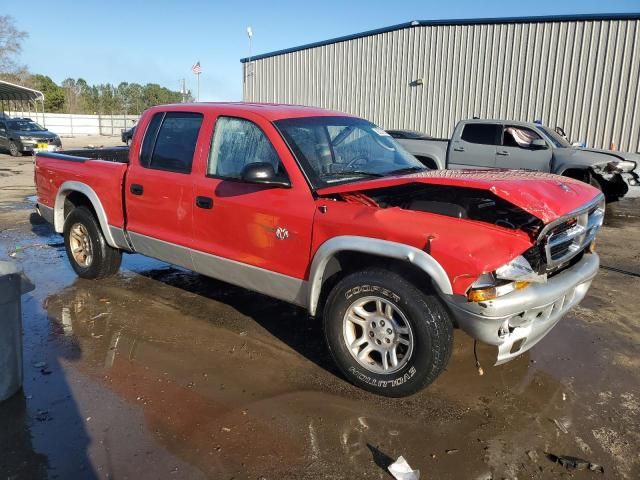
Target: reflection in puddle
{"x":244,"y":404}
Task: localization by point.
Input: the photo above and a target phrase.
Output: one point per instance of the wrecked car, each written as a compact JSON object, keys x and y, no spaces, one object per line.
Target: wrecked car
{"x":328,"y":212}
{"x":508,"y":144}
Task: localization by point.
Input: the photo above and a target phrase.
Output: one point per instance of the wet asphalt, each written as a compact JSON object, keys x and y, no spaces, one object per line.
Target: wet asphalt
{"x":159,"y":372}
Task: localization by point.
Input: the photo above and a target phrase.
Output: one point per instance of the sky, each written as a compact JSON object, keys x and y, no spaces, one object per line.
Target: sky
{"x":157,"y":41}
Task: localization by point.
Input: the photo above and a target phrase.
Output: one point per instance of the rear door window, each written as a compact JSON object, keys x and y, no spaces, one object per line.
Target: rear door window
{"x":150,"y":139}
{"x":483,"y":133}
{"x":170,"y":141}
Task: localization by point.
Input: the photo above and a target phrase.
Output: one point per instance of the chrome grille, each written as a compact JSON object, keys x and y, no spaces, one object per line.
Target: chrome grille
{"x":565,"y":238}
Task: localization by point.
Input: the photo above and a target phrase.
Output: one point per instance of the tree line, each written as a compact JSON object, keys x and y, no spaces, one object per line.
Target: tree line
{"x":77,"y":95}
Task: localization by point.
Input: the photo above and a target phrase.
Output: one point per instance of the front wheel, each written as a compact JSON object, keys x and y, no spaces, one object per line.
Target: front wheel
{"x":14,"y":151}
{"x":89,"y":254}
{"x":386,"y":335}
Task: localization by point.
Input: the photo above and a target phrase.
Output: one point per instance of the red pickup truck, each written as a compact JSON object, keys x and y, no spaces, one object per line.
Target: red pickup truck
{"x":327,"y":211}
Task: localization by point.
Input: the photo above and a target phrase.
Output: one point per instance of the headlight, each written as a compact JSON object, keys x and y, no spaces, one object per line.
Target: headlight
{"x":515,"y":275}
{"x":621,"y":166}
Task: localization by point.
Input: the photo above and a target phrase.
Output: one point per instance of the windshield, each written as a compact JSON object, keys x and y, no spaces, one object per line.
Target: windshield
{"x":24,"y":126}
{"x":343,"y":149}
{"x":556,"y":139}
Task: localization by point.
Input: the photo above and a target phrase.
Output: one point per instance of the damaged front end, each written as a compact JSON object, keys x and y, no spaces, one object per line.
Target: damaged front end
{"x":615,"y":177}
{"x":514,"y":303}
{"x":557,"y":272}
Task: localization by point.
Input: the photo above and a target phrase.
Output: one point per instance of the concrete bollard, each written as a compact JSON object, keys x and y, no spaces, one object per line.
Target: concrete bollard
{"x":13,"y":283}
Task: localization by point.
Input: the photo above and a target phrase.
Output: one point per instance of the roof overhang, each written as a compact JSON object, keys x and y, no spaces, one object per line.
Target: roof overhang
{"x":452,"y":22}
{"x":11,"y":91}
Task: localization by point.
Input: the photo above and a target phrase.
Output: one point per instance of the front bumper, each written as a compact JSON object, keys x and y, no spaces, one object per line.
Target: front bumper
{"x":632,"y":178}
{"x":519,"y":320}
{"x":31,"y":146}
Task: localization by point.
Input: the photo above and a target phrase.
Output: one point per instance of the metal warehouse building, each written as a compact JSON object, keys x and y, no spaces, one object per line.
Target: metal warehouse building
{"x":579,"y":72}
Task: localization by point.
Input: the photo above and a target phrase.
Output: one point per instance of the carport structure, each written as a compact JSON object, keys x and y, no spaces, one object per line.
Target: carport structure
{"x":15,"y":98}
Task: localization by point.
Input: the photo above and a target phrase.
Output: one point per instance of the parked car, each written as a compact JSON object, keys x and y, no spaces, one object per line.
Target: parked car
{"x":23,"y":135}
{"x":127,"y":135}
{"x":506,"y":144}
{"x":328,"y":212}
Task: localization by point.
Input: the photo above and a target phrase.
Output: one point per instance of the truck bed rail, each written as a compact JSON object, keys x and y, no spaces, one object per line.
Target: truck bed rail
{"x":114,"y":154}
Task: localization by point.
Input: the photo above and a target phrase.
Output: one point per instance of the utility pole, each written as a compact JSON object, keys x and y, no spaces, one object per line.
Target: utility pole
{"x":183,"y":90}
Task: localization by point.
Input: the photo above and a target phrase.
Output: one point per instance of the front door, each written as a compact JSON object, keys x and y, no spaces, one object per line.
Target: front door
{"x":255,"y":236}
{"x":517,"y":150}
{"x":475,"y":146}
{"x":159,"y":187}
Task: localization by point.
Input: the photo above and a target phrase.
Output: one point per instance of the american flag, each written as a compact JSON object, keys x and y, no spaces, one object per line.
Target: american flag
{"x":196,"y":68}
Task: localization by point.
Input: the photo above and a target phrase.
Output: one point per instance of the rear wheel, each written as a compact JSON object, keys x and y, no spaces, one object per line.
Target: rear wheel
{"x":89,"y":254}
{"x":386,"y":335}
{"x":14,"y":151}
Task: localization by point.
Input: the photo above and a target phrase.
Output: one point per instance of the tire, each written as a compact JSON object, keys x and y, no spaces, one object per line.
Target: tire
{"x":417,"y":317}
{"x":594,"y":182}
{"x":14,"y":151}
{"x":83,"y":235}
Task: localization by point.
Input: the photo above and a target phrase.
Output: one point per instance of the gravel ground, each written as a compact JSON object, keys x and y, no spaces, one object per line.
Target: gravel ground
{"x":161,"y":373}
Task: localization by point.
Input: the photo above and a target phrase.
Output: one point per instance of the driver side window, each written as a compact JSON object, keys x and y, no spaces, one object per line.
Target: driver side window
{"x":519,"y":137}
{"x":236,"y":143}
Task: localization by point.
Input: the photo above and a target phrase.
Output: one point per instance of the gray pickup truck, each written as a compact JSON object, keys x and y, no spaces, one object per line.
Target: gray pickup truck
{"x":508,"y":144}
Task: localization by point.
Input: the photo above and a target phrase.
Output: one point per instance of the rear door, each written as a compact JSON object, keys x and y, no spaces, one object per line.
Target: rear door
{"x":474,"y":146}
{"x":159,"y":188}
{"x":516,"y":150}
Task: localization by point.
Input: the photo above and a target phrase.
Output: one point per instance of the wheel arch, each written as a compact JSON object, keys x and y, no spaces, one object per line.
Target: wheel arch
{"x":578,"y":173}
{"x":327,"y":262}
{"x":428,"y":161}
{"x":81,"y":190}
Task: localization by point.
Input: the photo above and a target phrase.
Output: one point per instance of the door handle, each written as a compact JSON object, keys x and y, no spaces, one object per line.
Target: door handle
{"x":503,"y":153}
{"x":458,"y":149}
{"x":204,"y":202}
{"x":136,"y":189}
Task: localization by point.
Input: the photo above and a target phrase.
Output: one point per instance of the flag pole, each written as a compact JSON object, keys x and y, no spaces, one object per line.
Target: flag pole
{"x":198,"y":75}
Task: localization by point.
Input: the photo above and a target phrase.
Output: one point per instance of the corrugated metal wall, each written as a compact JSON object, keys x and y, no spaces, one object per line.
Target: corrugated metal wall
{"x":581,"y":75}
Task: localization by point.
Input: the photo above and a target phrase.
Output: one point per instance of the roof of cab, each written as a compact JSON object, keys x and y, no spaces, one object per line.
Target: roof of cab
{"x":270,"y":111}
{"x":499,"y":121}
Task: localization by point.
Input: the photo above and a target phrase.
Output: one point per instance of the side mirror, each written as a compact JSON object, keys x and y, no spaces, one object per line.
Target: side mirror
{"x":262,"y":173}
{"x":539,"y":144}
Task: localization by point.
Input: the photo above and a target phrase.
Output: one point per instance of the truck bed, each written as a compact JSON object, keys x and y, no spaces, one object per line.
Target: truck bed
{"x":100,"y":170}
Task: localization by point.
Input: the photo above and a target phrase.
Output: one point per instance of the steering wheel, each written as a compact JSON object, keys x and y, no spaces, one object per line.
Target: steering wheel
{"x":362,"y":158}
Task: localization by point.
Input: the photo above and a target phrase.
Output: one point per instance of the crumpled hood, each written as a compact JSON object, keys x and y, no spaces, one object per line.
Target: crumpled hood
{"x":609,"y":155}
{"x":544,"y":195}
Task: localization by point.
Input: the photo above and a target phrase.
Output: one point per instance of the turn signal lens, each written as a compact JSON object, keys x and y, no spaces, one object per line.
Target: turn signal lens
{"x":482,"y":294}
